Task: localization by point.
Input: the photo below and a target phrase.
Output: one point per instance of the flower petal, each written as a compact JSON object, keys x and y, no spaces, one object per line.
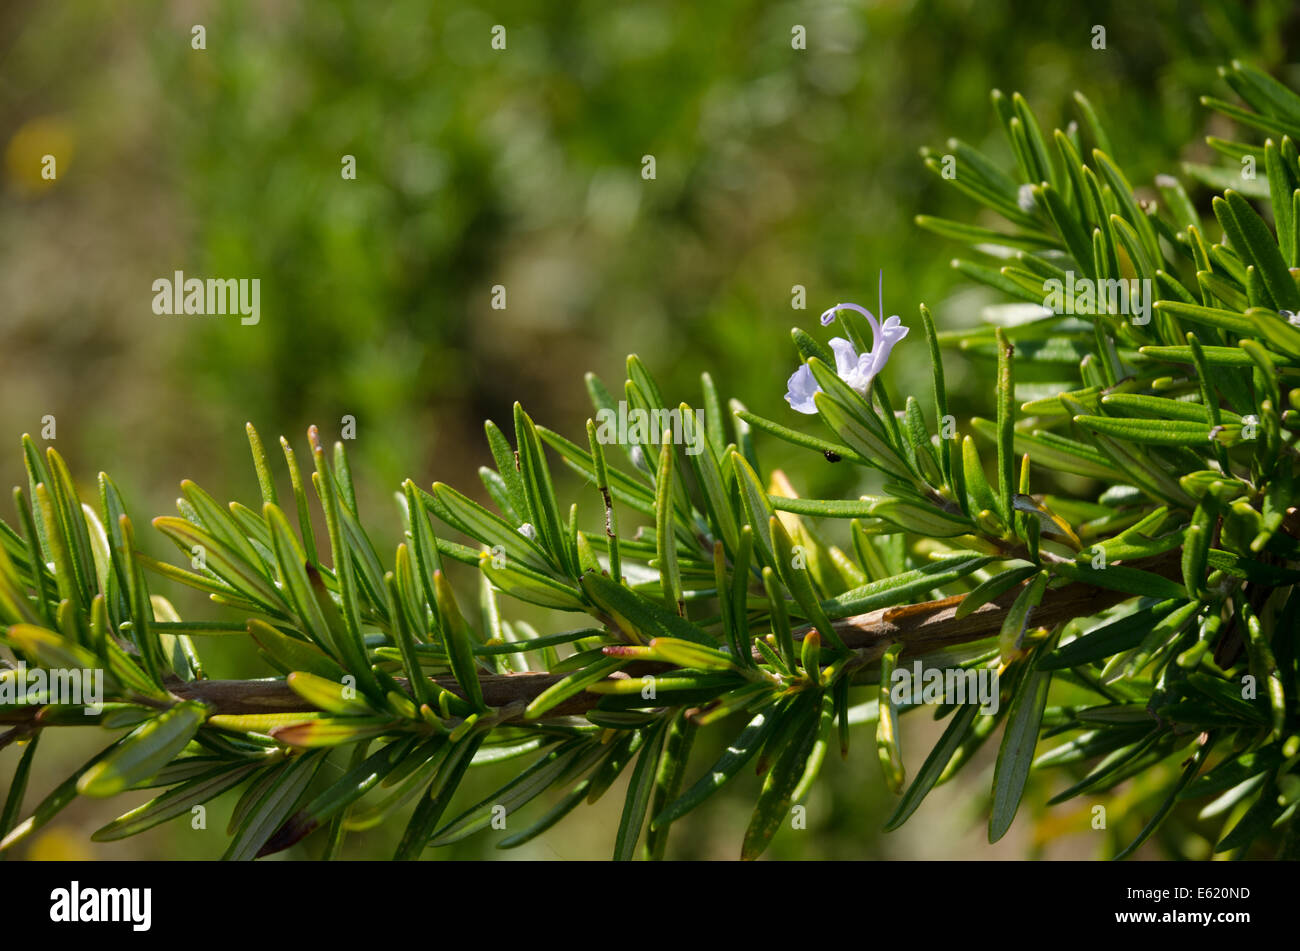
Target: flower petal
{"x":800,"y":390}
{"x":846,"y":356}
{"x":890,"y":335}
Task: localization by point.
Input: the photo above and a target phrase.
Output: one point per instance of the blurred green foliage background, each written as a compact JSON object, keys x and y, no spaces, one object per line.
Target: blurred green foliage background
{"x":520,"y":167}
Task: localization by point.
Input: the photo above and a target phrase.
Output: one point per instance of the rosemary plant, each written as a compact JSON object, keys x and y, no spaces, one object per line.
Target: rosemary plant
{"x":1117,"y":551}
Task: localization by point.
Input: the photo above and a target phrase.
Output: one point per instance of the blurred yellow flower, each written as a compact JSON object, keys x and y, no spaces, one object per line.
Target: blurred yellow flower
{"x":39,"y":152}
{"x":60,"y":844}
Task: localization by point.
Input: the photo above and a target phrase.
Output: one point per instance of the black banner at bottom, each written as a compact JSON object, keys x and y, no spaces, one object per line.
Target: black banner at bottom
{"x":138,"y":901}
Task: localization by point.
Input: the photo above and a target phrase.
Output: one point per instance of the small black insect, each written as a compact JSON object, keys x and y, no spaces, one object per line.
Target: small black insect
{"x":831,"y":456}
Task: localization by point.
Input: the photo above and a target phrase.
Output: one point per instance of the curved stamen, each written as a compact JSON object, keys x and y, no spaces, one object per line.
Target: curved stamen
{"x":829,"y":315}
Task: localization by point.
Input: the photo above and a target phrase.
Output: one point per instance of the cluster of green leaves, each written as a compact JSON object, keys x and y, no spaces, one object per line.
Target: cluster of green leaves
{"x":396,"y":674}
{"x":731,"y":604}
{"x":1188,"y":422}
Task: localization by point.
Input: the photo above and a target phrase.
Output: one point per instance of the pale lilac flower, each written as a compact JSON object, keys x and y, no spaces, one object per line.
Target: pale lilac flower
{"x":800,"y":390}
{"x":858,"y":370}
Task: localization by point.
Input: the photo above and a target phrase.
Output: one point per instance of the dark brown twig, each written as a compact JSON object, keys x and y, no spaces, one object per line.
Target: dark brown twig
{"x":922,"y":628}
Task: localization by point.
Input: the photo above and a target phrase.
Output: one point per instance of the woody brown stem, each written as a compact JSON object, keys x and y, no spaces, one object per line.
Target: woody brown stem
{"x":921,"y":628}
